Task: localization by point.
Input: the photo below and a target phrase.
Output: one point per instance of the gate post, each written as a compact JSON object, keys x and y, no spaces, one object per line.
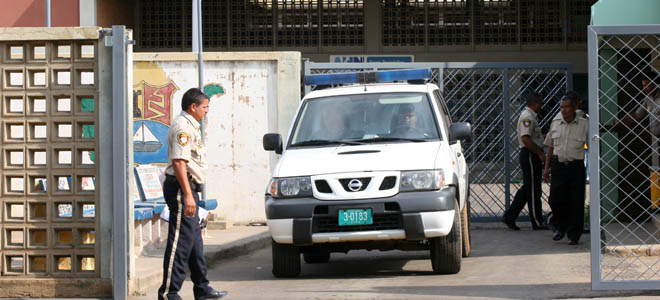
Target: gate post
{"x":507,"y":146}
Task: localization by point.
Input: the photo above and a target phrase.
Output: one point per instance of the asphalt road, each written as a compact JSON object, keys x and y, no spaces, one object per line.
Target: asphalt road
{"x":504,"y":265}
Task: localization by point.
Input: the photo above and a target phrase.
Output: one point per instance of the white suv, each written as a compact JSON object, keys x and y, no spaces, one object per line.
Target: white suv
{"x":370,"y":166}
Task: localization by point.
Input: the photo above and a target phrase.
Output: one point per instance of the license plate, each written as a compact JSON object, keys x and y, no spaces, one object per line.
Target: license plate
{"x":350,"y":217}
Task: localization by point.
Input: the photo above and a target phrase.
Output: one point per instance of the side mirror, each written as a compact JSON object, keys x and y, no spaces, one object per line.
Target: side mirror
{"x":273,"y":142}
{"x":460,"y":131}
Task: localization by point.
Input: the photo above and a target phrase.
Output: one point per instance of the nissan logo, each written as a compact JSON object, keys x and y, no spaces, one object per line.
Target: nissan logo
{"x":355,"y":185}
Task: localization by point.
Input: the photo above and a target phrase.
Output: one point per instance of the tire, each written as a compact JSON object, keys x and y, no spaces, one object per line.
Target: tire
{"x":466,"y":238}
{"x":286,"y":260}
{"x":446,"y":250}
{"x":316,"y":257}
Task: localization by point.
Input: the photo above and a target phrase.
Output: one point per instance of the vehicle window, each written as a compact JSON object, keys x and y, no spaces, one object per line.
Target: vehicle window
{"x":366,"y":117}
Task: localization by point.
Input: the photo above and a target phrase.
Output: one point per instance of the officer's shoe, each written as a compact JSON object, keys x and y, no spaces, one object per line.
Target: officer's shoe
{"x":213,"y":295}
{"x":572,"y":242}
{"x":510,"y":224}
{"x":557,"y":236}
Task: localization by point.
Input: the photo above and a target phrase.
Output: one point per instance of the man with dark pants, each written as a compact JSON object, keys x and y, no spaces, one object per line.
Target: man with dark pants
{"x":564,"y":163}
{"x":530,"y":140}
{"x":184,"y":175}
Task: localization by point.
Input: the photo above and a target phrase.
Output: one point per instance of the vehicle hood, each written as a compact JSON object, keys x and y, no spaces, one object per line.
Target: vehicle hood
{"x":372,"y":157}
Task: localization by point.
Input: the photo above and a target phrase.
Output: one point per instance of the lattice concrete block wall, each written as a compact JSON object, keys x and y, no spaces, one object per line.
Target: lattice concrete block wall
{"x":49,"y":206}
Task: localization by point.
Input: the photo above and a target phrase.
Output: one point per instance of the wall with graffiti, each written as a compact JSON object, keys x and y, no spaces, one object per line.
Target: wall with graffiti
{"x":246,"y":101}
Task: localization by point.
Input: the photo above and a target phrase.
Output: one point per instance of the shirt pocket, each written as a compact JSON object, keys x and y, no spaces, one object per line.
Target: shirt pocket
{"x":575,"y":143}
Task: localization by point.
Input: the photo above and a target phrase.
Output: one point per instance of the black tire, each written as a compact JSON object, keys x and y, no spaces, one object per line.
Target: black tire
{"x":320,"y":257}
{"x":446,"y":250}
{"x":466,"y":238}
{"x":286,"y":260}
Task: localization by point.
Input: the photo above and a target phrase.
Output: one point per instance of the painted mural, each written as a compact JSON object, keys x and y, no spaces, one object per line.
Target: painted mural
{"x":152,"y":116}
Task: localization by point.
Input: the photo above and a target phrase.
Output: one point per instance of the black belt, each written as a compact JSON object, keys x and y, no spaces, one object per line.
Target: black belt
{"x":555,"y":159}
{"x":194,"y":186}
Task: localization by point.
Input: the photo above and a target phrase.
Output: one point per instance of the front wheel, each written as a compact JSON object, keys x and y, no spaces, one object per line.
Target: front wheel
{"x":446,"y":250}
{"x":286,"y":260}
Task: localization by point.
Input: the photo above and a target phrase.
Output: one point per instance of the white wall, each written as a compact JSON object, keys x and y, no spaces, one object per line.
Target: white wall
{"x":260,"y":96}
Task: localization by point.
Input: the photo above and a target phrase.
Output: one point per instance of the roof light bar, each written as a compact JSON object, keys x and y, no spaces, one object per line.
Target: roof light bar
{"x":368,"y":77}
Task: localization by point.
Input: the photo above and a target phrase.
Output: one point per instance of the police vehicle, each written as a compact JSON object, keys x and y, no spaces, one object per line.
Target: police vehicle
{"x":372,"y":165}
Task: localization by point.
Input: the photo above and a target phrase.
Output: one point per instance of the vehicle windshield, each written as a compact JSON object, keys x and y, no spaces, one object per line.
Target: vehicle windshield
{"x":365,"y":118}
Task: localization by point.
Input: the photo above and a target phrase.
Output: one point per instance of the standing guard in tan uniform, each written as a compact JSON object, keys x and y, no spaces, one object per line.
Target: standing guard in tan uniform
{"x":184,"y":176}
{"x":531,"y":156}
{"x":565,"y":161}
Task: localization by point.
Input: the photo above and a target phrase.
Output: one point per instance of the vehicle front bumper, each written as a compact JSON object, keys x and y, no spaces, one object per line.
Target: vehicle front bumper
{"x":405,"y":216}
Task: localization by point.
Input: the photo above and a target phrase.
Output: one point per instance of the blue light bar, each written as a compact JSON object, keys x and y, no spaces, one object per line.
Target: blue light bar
{"x":368,"y":77}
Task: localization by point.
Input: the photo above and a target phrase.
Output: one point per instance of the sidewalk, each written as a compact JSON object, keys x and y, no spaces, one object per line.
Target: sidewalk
{"x":218,"y":244}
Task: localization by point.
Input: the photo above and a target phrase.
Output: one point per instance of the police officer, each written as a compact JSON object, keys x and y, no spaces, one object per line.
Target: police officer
{"x":531,"y":157}
{"x":184,"y":175}
{"x":565,"y":162}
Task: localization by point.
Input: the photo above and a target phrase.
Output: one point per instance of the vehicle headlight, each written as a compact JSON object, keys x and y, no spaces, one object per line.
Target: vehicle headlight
{"x":290,"y":187}
{"x":422,"y":180}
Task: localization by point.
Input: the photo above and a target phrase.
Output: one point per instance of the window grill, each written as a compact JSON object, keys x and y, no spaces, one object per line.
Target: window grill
{"x":403,"y":22}
{"x":449,"y":22}
{"x":496,"y":22}
{"x":342,"y":22}
{"x":297,"y":23}
{"x":252,"y":23}
{"x":160,"y":24}
{"x":541,"y":22}
{"x":580,"y":16}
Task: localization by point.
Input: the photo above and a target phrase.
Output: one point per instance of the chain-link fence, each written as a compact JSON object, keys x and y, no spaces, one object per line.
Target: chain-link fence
{"x":624,"y":62}
{"x":491,"y":97}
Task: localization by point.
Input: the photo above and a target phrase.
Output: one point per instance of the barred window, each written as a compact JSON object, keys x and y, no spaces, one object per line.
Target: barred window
{"x":541,"y":22}
{"x":449,"y":22}
{"x":580,"y":16}
{"x":214,"y":27}
{"x":342,"y":22}
{"x":298,"y":23}
{"x":403,"y":22}
{"x":160,"y":24}
{"x":496,"y":22}
{"x":252,"y":23}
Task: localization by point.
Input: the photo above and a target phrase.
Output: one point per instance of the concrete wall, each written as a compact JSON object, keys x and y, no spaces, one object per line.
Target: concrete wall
{"x":251,"y":93}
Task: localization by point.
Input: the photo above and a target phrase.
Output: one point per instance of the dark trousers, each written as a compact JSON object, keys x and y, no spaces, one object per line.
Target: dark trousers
{"x":530,"y":192}
{"x":567,"y":197}
{"x":184,"y":245}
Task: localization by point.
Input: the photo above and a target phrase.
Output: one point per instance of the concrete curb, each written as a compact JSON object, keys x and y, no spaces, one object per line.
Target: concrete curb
{"x":213,"y":253}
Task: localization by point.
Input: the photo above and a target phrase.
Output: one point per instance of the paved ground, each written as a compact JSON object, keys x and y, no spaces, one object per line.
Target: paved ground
{"x":504,"y":265}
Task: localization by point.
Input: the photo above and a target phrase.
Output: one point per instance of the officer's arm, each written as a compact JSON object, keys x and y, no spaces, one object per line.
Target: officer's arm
{"x":181,"y":171}
{"x":548,"y":157}
{"x":527,"y":141}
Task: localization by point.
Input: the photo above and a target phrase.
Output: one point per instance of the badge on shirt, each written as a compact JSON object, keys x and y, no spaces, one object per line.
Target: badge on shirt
{"x":525,"y":123}
{"x":183,"y":138}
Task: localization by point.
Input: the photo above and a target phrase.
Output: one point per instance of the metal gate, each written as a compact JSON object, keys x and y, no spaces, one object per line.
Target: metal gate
{"x":491,"y":97}
{"x":625,"y":239}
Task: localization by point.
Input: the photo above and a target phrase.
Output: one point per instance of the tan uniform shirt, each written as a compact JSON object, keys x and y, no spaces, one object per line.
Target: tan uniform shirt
{"x":184,"y":141}
{"x":528,"y":124}
{"x":568,"y":139}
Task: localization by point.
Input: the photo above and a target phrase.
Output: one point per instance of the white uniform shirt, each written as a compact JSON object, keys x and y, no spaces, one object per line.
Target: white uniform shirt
{"x":184,"y":141}
{"x":528,"y":124}
{"x":568,"y":139}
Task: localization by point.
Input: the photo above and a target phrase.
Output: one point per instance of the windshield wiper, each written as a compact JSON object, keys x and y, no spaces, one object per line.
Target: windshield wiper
{"x":390,"y":139}
{"x":325,"y":142}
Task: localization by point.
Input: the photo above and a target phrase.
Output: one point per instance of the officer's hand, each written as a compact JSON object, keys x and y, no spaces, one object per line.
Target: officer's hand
{"x":546,"y":174}
{"x":541,"y":157}
{"x":190,"y":205}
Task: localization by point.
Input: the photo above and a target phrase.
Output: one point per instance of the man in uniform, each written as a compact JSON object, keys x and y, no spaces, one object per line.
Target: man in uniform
{"x":565,"y":158}
{"x":184,"y":175}
{"x":531,"y":157}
